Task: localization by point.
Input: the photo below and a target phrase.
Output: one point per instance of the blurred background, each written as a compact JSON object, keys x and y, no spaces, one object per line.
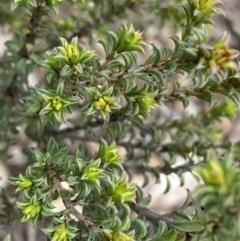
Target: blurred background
{"x":158,"y":29}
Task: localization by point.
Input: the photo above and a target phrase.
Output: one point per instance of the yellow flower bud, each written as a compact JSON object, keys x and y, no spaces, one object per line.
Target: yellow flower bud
{"x":102,"y":102}
{"x":69,"y":50}
{"x":55,"y":236}
{"x":107,"y":108}
{"x":58,"y":106}
{"x":213,"y":173}
{"x":35,"y":211}
{"x":120,"y":236}
{"x":27,"y":210}
{"x":108,"y":99}
{"x":62,"y":50}
{"x":97,"y":105}
{"x":75,"y":55}
{"x":25,"y":183}
{"x":62,"y":236}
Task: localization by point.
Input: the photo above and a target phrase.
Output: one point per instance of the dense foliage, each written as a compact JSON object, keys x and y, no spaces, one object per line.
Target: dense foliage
{"x":100,"y":86}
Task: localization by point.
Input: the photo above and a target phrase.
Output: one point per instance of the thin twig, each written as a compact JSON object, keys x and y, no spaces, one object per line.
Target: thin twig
{"x":118,"y":116}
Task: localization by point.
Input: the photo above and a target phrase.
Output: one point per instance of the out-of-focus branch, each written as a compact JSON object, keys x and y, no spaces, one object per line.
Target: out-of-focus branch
{"x":166,"y":170}
{"x":234,"y":33}
{"x":107,"y":17}
{"x":151,"y":215}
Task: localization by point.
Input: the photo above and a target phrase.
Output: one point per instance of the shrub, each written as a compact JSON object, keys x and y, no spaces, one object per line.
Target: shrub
{"x":110,"y":95}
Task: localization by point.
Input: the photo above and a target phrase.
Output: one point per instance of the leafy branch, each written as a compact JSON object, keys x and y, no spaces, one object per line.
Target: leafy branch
{"x":111,"y":100}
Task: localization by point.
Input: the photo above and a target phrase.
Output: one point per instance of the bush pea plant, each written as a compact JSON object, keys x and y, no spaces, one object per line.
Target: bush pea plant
{"x":111,"y":98}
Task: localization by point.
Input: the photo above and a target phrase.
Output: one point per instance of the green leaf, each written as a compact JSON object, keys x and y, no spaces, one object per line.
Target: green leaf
{"x":8,"y":238}
{"x":145,"y":179}
{"x":188,"y":13}
{"x":207,"y":96}
{"x":114,"y":39}
{"x":39,"y":156}
{"x":32,"y":3}
{"x":36,"y":58}
{"x":137,"y":120}
{"x":125,"y":211}
{"x":227,"y":90}
{"x":136,"y":48}
{"x":55,"y":8}
{"x":39,"y":47}
{"x":22,"y":67}
{"x":171,"y":235}
{"x":115,"y":64}
{"x":13,"y":45}
{"x":105,"y":45}
{"x":180,"y":216}
{"x":189,"y":226}
{"x":162,"y":229}
{"x":60,"y":89}
{"x":184,"y":100}
{"x":14,"y":6}
{"x":66,"y":71}
{"x":158,"y":50}
{"x":52,"y":145}
{"x":4,"y":155}
{"x":168,"y":186}
{"x":141,"y":228}
{"x":193,"y":52}
{"x":234,"y":97}
{"x":158,"y":75}
{"x":171,"y":67}
{"x":181,"y":238}
{"x":129,"y":59}
{"x":78,"y":67}
{"x":151,"y":59}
